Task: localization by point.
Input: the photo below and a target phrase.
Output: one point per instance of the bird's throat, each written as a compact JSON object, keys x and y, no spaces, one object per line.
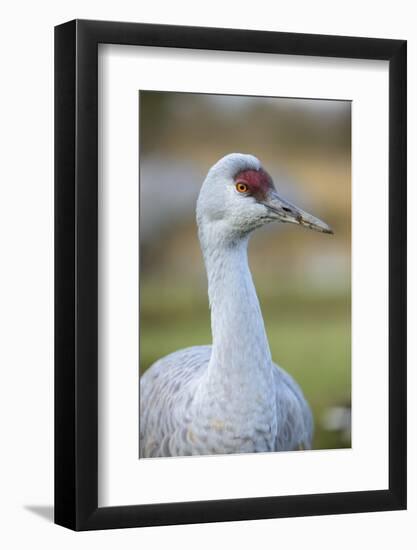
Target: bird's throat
{"x":240,"y":346}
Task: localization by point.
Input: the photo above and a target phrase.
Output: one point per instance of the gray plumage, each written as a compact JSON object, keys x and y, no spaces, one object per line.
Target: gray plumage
{"x":172,"y":425}
{"x":229,"y":397}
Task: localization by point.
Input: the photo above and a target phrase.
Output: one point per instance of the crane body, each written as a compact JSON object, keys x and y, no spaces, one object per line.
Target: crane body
{"x":229,"y":397}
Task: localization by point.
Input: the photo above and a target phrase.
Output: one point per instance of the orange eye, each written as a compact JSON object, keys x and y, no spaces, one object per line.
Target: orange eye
{"x":242,"y":187}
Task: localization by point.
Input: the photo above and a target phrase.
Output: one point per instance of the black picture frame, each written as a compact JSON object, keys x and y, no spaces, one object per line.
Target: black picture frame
{"x":76,"y":273}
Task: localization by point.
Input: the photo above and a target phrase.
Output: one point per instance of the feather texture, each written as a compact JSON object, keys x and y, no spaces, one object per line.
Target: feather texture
{"x":229,"y":397}
{"x":170,"y":421}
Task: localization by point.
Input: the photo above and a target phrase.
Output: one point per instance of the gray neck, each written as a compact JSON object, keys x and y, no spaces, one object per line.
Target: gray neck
{"x":240,"y":345}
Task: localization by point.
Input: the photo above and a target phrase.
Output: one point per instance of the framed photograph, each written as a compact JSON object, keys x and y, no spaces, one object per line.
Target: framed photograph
{"x":230,"y":254}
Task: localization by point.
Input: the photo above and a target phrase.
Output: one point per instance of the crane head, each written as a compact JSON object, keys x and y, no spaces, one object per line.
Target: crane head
{"x":238,"y":196}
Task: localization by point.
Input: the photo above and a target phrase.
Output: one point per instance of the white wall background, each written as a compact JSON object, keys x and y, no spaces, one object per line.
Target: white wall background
{"x":26,"y":285}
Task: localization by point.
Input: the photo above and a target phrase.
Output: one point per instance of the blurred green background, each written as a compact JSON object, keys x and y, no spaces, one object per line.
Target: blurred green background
{"x":302,"y":277}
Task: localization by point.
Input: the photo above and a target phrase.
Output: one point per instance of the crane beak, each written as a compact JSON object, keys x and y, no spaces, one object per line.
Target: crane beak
{"x":283,"y":211}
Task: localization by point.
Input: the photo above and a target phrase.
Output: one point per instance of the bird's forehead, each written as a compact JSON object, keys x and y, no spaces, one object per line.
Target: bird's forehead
{"x":258,"y":181}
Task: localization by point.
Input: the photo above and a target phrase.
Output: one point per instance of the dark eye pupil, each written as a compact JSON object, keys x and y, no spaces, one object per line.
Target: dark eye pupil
{"x":286,"y":209}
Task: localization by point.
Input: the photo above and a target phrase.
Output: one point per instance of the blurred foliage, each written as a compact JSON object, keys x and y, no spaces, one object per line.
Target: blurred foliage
{"x":309,"y":336}
{"x":302,"y":277}
{"x":213,"y":121}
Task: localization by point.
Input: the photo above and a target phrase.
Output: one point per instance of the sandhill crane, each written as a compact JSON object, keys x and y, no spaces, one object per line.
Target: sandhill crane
{"x":228,"y":397}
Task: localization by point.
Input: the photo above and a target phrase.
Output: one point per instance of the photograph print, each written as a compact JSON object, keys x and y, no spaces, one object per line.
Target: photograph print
{"x":245,"y":274}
